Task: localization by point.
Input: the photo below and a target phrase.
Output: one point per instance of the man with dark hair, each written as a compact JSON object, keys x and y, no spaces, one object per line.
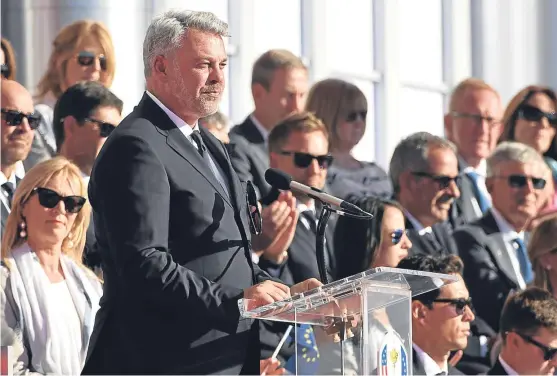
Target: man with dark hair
{"x":84,"y":116}
{"x":440,"y":318}
{"x":529,"y":330}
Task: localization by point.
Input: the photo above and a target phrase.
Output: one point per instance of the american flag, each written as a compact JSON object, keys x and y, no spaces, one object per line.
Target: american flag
{"x":403,"y":362}
{"x":384,"y":364}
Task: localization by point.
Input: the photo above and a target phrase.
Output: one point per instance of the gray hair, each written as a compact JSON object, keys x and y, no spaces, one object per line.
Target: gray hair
{"x":166,"y":31}
{"x":510,"y":151}
{"x":412,"y":153}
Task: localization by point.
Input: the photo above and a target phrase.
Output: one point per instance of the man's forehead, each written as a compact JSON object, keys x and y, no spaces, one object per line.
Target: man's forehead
{"x":21,"y":101}
{"x":455,"y":290}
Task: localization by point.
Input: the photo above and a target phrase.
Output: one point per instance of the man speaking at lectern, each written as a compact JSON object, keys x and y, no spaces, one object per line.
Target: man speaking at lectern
{"x":171,"y":219}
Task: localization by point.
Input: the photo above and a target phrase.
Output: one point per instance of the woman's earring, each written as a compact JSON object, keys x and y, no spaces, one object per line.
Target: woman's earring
{"x":22,"y":232}
{"x":70,"y":241}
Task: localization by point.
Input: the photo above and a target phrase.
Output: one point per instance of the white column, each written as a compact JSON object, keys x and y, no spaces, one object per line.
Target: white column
{"x":314,"y":46}
{"x":457,"y":39}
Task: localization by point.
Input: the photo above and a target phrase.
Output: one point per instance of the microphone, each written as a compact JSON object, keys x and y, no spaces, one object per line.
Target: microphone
{"x":281,"y":180}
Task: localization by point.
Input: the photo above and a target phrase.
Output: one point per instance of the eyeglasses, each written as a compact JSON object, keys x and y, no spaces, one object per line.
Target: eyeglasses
{"x":5,"y":70}
{"x":531,"y":113}
{"x":104,"y":127}
{"x":478,"y":118}
{"x":459,"y":304}
{"x":548,"y":352}
{"x":49,"y":199}
{"x":442,"y":180}
{"x":87,"y":58}
{"x":303,"y":160}
{"x":254,"y":215}
{"x":397,"y":235}
{"x":521,"y":181}
{"x":15,"y":118}
{"x":355,"y":115}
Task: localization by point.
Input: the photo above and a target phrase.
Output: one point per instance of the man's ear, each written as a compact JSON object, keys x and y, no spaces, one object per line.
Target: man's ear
{"x":489,"y":184}
{"x":70,"y":124}
{"x":258,"y":91}
{"x":419,"y":310}
{"x":406,"y":180}
{"x":160,"y":67}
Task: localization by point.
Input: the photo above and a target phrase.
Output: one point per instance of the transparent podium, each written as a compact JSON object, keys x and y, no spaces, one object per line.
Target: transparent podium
{"x":360,"y":325}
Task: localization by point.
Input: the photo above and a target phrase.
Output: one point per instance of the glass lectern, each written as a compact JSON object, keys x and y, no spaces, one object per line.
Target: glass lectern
{"x":359,"y":325}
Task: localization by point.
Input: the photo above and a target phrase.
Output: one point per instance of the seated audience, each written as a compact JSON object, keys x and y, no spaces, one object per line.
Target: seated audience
{"x":342,"y":106}
{"x":217,"y":124}
{"x":492,"y":247}
{"x":542,"y":249}
{"x":440,"y":318}
{"x":82,"y":51}
{"x":7,"y":60}
{"x":424,"y":173}
{"x":49,"y":298}
{"x":529,"y":331}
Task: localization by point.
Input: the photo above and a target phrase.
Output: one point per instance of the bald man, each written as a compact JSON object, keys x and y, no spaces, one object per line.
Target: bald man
{"x":17,"y":132}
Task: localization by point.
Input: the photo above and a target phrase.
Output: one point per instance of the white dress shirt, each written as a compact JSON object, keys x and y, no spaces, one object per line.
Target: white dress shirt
{"x":302,"y":208}
{"x":481,"y":170}
{"x":508,"y":369}
{"x":187,"y":130}
{"x":431,"y":368}
{"x":19,"y":173}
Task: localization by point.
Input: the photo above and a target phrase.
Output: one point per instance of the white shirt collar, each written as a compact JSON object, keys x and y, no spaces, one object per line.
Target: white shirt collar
{"x":19,"y":173}
{"x":186,"y":129}
{"x":508,"y":369}
{"x":415,"y":223}
{"x":480,"y":170}
{"x":303,"y":207}
{"x":264,"y":132}
{"x":505,"y":227}
{"x":430,"y":366}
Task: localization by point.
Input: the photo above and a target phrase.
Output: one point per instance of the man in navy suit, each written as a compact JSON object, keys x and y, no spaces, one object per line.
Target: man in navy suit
{"x":173,"y":222}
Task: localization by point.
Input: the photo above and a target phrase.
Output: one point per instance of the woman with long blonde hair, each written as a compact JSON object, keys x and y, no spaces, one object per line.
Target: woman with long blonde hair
{"x":49,"y":298}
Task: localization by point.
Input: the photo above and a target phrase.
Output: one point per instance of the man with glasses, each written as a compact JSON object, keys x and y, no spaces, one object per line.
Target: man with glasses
{"x":492,"y":247}
{"x":473,"y":124}
{"x":17,"y":132}
{"x":529,"y":331}
{"x":440,"y":318}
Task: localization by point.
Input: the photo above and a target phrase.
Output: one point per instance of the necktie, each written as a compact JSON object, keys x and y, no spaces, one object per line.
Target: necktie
{"x":8,"y":187}
{"x":204,"y":152}
{"x":430,"y":237}
{"x":524,"y":261}
{"x":483,"y":200}
{"x":309,"y":215}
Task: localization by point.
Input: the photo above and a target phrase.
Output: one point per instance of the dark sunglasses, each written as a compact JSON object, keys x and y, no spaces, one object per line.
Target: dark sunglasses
{"x":49,"y":199}
{"x":397,"y":235}
{"x":548,"y":352}
{"x":531,"y":113}
{"x":477,"y":118}
{"x":442,"y":180}
{"x":254,"y":215}
{"x":86,"y":58}
{"x":5,"y":70}
{"x":521,"y":181}
{"x":104,"y":127}
{"x":303,"y":160}
{"x":355,"y":115}
{"x":459,"y":304}
{"x":15,"y":118}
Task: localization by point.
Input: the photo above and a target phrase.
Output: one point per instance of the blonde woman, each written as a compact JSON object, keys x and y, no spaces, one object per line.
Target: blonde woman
{"x":342,"y":106}
{"x":542,"y":250}
{"x":82,"y":51}
{"x":49,"y":300}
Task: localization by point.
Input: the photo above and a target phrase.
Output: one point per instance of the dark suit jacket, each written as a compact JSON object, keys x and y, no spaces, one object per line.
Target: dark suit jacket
{"x":418,"y":367}
{"x":5,"y":211}
{"x":497,"y":369}
{"x":249,"y":155}
{"x":91,"y":253}
{"x":465,"y":208}
{"x":176,"y":257}
{"x":443,"y":243}
{"x":488,"y":270}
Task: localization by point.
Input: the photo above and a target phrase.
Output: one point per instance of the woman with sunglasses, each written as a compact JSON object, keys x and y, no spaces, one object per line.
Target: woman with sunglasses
{"x":49,"y":298}
{"x":82,"y":51}
{"x":342,"y":106}
{"x":7,"y":60}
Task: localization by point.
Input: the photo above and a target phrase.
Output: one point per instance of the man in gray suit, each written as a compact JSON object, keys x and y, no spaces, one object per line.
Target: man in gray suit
{"x":492,"y":247}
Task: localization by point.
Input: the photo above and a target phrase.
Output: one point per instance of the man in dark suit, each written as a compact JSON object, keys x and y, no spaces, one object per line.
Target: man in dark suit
{"x":84,"y":116}
{"x":424,"y":174}
{"x":492,"y":247}
{"x":529,"y":331}
{"x":172,"y":222}
{"x":17,"y":132}
{"x":473,"y":124}
{"x":279,"y":86}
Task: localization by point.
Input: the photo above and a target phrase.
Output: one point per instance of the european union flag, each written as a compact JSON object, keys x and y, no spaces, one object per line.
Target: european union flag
{"x":306,"y":349}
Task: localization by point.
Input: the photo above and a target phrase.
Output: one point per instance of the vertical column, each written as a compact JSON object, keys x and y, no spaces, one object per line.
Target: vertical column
{"x":314,"y":45}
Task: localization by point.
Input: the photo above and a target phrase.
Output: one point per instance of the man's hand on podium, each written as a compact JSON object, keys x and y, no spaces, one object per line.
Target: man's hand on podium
{"x":304,"y":286}
{"x":266,"y":292}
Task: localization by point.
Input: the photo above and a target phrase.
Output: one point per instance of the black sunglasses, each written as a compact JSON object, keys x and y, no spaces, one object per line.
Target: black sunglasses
{"x":104,"y":127}
{"x":531,"y":113}
{"x":5,"y":70}
{"x":87,"y":58}
{"x":548,"y":352}
{"x":49,"y":199}
{"x":15,"y":118}
{"x":521,"y":181}
{"x":303,"y":160}
{"x":459,"y":304}
{"x":478,"y":118}
{"x":442,"y":180}
{"x":355,"y":115}
{"x":254,"y":215}
{"x":397,"y":235}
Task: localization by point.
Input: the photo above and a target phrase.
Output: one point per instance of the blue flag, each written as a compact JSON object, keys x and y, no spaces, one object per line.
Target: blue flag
{"x":308,"y":354}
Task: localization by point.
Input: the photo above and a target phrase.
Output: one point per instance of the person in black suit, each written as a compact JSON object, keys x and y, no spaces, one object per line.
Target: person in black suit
{"x":84,"y":116}
{"x":492,"y":247}
{"x":173,"y":224}
{"x":17,"y":132}
{"x":473,"y":123}
{"x":279,"y":86}
{"x":529,"y":332}
{"x":424,"y":174}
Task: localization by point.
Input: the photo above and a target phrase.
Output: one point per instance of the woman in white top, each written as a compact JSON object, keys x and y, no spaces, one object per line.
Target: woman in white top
{"x":49,"y":300}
